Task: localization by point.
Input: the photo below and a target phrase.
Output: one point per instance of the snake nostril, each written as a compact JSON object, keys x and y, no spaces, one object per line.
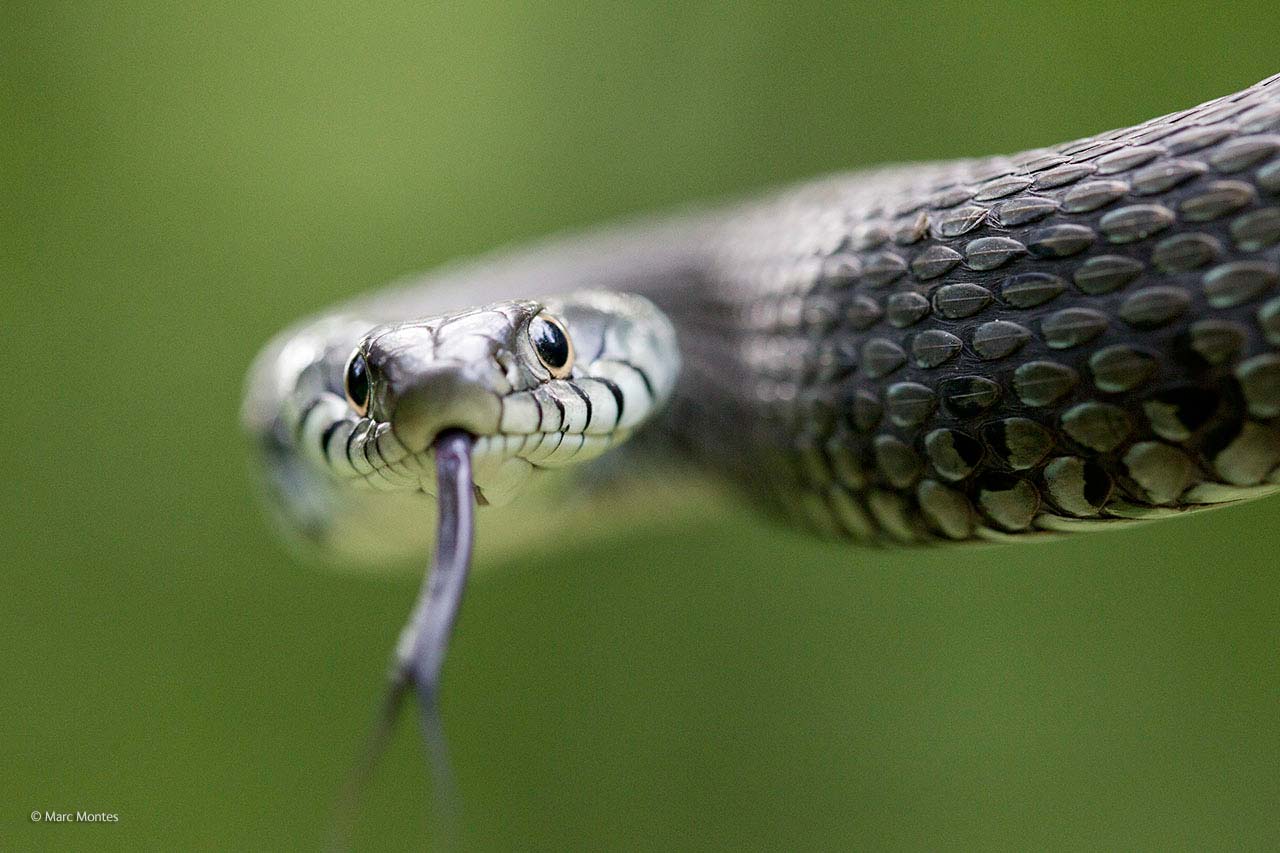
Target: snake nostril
{"x":507,"y":365}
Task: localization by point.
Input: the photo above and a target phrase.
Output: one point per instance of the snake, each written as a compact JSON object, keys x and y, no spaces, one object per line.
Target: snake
{"x":1007,"y":348}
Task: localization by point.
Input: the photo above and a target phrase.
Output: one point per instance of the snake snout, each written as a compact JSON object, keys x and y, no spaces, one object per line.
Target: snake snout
{"x":451,"y":395}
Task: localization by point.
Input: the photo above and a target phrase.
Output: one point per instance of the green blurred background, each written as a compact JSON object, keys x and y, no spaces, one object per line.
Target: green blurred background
{"x":182,"y":180}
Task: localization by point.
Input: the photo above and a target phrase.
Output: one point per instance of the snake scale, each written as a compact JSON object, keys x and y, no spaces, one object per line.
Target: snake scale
{"x":1057,"y":340}
{"x":1064,"y":339}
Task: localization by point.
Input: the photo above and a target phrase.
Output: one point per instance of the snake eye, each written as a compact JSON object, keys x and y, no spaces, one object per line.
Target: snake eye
{"x":552,"y":345}
{"x":356,"y":383}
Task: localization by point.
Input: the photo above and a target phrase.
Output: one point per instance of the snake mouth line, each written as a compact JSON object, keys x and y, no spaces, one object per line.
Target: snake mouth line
{"x":377,"y":459}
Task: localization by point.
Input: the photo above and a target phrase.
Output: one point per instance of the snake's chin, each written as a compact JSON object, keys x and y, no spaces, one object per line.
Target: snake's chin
{"x":497,"y":478}
{"x":502,"y":473}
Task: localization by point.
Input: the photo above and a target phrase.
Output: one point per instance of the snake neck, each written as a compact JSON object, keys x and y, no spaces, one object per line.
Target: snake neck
{"x":1061,"y":339}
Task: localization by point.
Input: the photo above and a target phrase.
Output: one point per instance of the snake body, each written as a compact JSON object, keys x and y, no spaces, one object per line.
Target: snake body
{"x":1058,"y":340}
{"x":1064,"y":339}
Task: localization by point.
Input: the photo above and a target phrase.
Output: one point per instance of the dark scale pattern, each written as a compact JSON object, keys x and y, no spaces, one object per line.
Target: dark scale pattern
{"x":1041,"y":342}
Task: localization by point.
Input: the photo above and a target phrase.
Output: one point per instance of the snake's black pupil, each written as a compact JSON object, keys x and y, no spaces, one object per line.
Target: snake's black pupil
{"x":549,"y":340}
{"x":358,"y":381}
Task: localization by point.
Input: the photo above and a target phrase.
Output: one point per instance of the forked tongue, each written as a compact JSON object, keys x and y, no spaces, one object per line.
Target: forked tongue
{"x":420,"y":652}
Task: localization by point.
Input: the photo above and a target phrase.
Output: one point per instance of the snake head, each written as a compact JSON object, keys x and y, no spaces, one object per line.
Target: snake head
{"x":537,"y":385}
{"x":345,"y":413}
